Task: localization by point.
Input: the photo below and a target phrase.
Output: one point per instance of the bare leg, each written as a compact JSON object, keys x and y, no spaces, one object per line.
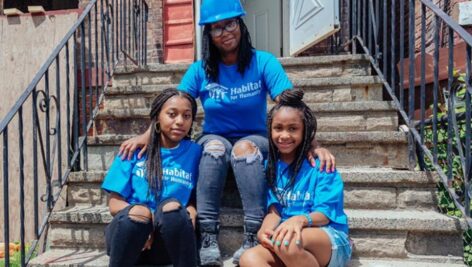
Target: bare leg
{"x":315,"y":250}
{"x":259,"y":256}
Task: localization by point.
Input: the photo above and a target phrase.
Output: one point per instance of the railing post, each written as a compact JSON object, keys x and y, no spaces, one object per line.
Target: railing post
{"x":6,"y":204}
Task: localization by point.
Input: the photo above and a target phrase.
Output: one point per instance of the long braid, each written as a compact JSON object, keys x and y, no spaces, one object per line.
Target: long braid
{"x":211,"y":55}
{"x":154,"y":161}
{"x":293,"y":99}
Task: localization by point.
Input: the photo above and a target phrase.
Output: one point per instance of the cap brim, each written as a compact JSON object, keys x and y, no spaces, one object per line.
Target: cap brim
{"x":222,"y":17}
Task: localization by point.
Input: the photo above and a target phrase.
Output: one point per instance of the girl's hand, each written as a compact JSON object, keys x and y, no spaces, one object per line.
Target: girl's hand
{"x":326,"y":159}
{"x":285,"y":232}
{"x":192,"y":213}
{"x":148,"y":244}
{"x":128,"y":147}
{"x":264,"y":237}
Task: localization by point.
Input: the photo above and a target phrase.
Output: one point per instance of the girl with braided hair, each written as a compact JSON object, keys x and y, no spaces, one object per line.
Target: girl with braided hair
{"x":306,"y":224}
{"x":232,"y":82}
{"x":152,"y":197}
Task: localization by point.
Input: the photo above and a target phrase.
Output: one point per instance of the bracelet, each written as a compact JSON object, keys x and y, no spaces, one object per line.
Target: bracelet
{"x":309,"y":219}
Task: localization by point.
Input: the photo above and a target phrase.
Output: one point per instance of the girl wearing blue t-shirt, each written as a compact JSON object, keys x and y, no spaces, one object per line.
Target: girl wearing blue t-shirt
{"x":151,"y":197}
{"x":306,"y":224}
{"x":232,"y":82}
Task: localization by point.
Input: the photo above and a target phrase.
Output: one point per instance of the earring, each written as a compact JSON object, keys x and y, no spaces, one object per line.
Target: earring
{"x":157,"y":128}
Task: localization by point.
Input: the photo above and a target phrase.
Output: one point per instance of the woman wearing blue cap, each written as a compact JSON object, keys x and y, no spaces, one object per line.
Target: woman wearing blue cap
{"x":232,"y":81}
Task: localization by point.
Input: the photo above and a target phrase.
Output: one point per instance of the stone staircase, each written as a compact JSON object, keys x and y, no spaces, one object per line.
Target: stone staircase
{"x":392,"y":216}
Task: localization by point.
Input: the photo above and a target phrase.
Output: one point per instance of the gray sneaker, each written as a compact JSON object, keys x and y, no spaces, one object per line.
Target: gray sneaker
{"x":250,"y":240}
{"x":210,"y":252}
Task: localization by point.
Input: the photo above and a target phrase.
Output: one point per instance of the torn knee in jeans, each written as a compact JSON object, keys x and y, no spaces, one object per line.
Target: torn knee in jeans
{"x":246,"y":150}
{"x":140,"y":214}
{"x":170,"y":206}
{"x":215,"y":148}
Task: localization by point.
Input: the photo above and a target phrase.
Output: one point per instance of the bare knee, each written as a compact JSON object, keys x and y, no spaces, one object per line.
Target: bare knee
{"x":215,"y":148}
{"x":250,"y":258}
{"x":170,"y":206}
{"x":291,"y":255}
{"x":140,"y":213}
{"x":244,"y":148}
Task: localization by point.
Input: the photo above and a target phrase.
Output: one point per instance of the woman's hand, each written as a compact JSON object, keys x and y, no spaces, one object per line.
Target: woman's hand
{"x":286,"y":231}
{"x":128,"y":147}
{"x":326,"y":159}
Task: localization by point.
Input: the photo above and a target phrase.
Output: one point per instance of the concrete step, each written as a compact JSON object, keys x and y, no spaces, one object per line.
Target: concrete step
{"x":360,"y":149}
{"x":413,"y":262}
{"x":376,"y":233}
{"x":331,"y":117}
{"x":302,"y":67}
{"x":317,"y":90}
{"x":365,"y":188}
{"x":98,"y":258}
{"x":88,"y":258}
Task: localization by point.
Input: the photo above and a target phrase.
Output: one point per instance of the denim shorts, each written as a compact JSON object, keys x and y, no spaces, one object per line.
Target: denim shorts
{"x":341,"y":247}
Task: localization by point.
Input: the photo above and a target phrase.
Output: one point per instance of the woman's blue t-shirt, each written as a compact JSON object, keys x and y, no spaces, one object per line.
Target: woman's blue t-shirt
{"x":236,"y":105}
{"x":180,"y":172}
{"x":313,"y":191}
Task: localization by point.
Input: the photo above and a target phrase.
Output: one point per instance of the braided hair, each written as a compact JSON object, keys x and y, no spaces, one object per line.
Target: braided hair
{"x":293,"y":99}
{"x":211,"y":55}
{"x":154,"y":161}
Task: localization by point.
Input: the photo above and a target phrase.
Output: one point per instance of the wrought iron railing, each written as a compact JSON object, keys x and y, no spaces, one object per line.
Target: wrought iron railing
{"x":406,"y":41}
{"x":61,"y":102}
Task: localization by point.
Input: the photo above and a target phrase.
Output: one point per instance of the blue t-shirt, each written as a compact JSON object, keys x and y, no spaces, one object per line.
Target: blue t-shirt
{"x":180,"y":172}
{"x":236,"y":106}
{"x":313,"y":191}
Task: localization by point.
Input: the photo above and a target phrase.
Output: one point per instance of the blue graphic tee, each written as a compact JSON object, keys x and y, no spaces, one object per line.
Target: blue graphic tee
{"x":180,"y":171}
{"x":236,"y":105}
{"x":313,"y":191}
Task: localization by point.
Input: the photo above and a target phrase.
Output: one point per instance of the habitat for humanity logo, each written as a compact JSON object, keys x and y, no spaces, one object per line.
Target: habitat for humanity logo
{"x":217,"y":91}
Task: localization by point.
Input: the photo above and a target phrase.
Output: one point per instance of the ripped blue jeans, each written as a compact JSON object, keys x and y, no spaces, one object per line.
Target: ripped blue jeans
{"x":248,"y":170}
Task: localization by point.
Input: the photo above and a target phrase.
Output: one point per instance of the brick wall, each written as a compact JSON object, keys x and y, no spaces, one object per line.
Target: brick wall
{"x":430,"y":25}
{"x":155,"y":35}
{"x":154,"y":30}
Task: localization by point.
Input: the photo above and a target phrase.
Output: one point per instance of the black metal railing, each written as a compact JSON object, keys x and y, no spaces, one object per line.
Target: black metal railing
{"x":61,"y":102}
{"x":424,"y":59}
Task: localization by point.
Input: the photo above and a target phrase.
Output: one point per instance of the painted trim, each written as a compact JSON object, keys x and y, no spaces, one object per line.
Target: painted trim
{"x":198,"y":31}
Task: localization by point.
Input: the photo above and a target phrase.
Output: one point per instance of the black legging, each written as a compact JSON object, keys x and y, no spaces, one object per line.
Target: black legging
{"x":174,"y":239}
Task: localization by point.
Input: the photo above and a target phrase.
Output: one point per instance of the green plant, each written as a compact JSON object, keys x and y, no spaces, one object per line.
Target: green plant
{"x":445,"y":203}
{"x":15,"y":258}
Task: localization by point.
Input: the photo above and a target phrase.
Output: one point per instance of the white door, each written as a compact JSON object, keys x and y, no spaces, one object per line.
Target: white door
{"x":264,"y":22}
{"x":311,"y":21}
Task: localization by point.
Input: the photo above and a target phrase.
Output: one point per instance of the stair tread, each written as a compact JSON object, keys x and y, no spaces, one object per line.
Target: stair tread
{"x":297,"y":82}
{"x":359,"y":219}
{"x":287,"y":61}
{"x":426,"y":262}
{"x":381,"y":137}
{"x":98,"y":258}
{"x":336,"y":107}
{"x":385,"y":176}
